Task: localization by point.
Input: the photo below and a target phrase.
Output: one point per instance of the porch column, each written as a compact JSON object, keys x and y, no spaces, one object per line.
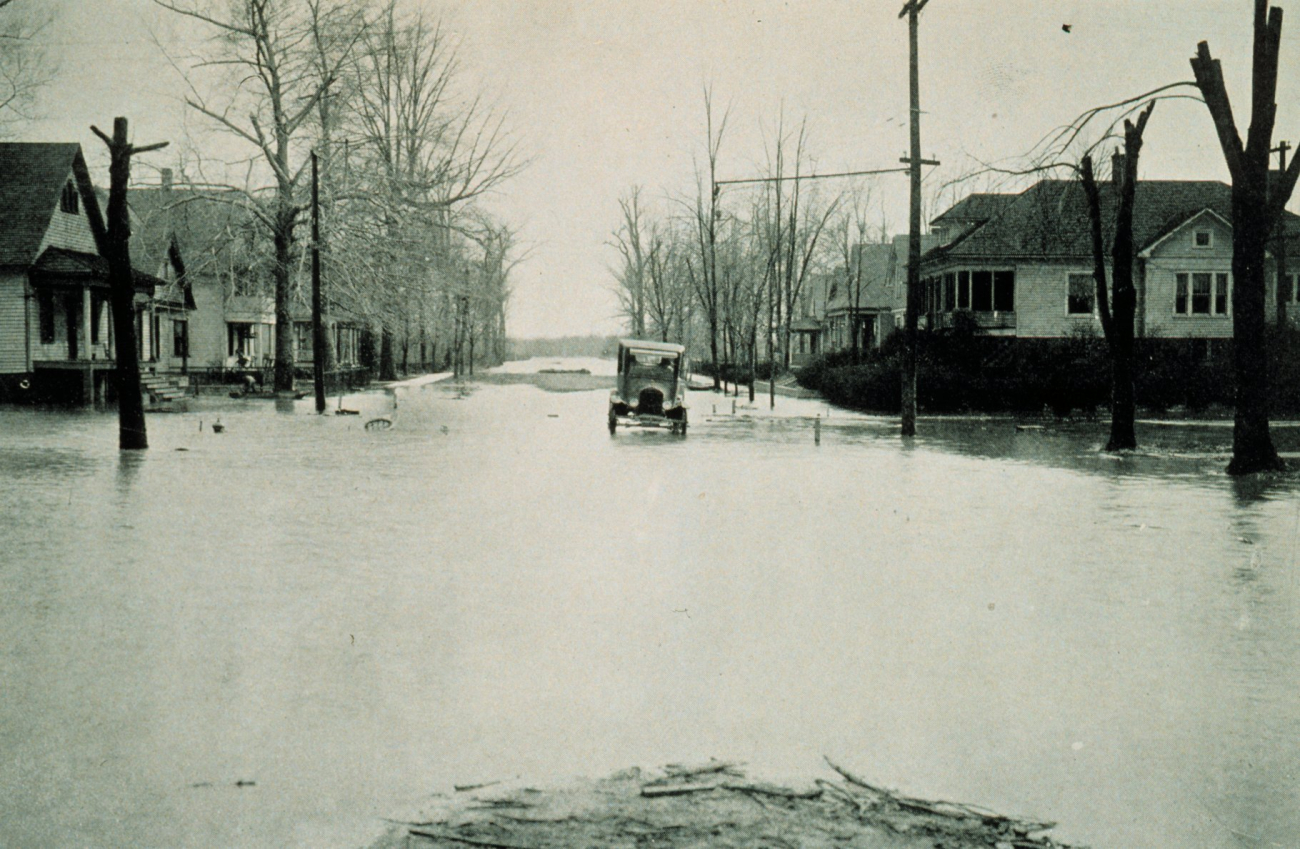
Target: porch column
{"x":84,"y":330}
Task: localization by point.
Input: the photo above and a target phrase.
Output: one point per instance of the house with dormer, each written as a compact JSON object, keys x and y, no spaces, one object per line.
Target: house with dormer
{"x":1020,"y":265}
{"x":56,"y":337}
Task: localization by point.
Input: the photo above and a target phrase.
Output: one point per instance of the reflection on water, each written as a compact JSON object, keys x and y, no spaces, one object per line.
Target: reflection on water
{"x":495,"y":587}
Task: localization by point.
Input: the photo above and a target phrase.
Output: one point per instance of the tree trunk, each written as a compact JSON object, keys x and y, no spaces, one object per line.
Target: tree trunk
{"x":1252,"y":443}
{"x":283,"y":318}
{"x":387,"y":367}
{"x":713,"y":351}
{"x":753,"y":362}
{"x":1255,"y":212}
{"x":366,"y":354}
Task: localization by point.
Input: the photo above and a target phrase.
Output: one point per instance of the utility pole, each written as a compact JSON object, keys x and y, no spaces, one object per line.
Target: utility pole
{"x":912,"y":9}
{"x":132,"y":435}
{"x":317,"y":327}
{"x":1283,"y":292}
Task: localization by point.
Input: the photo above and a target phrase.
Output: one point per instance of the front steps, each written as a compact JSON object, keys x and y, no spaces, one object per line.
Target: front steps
{"x":163,"y":394}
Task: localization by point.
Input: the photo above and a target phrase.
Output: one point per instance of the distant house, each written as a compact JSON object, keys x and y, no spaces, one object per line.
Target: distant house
{"x":226,"y":274}
{"x":860,"y":309}
{"x":342,"y":331}
{"x":213,"y":232}
{"x":1020,"y":265}
{"x":56,"y":337}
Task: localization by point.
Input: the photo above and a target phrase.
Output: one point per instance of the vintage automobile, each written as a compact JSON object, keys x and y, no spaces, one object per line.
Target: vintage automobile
{"x":651,"y":388}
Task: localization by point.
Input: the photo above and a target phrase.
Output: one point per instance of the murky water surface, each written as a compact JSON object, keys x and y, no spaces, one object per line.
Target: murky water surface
{"x":351,"y":619}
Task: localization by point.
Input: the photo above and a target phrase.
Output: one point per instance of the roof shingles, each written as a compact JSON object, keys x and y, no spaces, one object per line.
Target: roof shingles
{"x":1050,"y":220}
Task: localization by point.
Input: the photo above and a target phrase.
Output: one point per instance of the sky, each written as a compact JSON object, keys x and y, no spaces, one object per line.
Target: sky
{"x":604,"y":95}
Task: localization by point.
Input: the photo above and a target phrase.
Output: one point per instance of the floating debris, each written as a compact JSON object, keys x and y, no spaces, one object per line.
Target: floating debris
{"x":711,"y":804}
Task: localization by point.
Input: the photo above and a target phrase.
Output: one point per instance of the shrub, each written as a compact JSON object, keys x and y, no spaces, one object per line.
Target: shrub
{"x":876,"y":386}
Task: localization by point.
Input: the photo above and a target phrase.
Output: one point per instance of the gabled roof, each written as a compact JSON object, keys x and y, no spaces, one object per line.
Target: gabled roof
{"x":201,"y":225}
{"x":878,"y":264}
{"x":32,"y":176}
{"x":1175,"y":225}
{"x":1050,"y":219}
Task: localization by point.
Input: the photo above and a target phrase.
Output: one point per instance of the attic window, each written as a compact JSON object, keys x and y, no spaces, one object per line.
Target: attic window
{"x":68,"y":200}
{"x":1203,"y":239}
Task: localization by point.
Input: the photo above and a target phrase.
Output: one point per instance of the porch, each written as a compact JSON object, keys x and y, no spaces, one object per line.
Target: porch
{"x":805,"y":341}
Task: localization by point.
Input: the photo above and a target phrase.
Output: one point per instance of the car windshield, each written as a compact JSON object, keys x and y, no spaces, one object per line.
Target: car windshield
{"x":652,"y":365}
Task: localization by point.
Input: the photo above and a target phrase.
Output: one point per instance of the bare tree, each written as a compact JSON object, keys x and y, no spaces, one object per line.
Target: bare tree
{"x":1117,"y":313}
{"x":633,"y":271}
{"x":1257,"y":205}
{"x":851,"y":232}
{"x":26,"y":65}
{"x":267,"y":92}
{"x":797,"y":231}
{"x":425,"y":153}
{"x":703,"y":271}
{"x":666,"y":290}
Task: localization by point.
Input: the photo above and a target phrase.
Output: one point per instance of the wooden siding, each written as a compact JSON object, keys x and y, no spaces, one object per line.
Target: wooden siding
{"x":207,"y":326}
{"x":1042,"y":290}
{"x":1176,"y":255}
{"x":69,"y":231}
{"x":13,"y":324}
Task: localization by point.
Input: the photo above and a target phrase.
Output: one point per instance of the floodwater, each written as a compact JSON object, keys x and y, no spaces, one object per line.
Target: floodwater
{"x":275,"y":635}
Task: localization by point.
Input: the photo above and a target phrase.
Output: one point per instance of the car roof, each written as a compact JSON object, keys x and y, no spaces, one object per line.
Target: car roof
{"x":647,"y":345}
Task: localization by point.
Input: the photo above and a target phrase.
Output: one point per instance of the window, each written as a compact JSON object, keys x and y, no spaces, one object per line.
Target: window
{"x":1203,"y":239}
{"x":1004,"y":291}
{"x":180,"y":338}
{"x":45,"y":307}
{"x":239,"y":339}
{"x":949,"y":292}
{"x":96,"y":316}
{"x":1082,"y":295}
{"x":68,"y":201}
{"x":963,"y":290}
{"x":981,"y":291}
{"x":1201,"y":293}
{"x":1287,"y":282}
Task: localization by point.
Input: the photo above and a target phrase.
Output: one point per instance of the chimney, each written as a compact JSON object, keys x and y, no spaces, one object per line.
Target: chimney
{"x":166,"y":174}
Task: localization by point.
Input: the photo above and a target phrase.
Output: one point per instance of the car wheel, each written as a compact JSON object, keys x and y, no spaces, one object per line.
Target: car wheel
{"x":613,"y":423}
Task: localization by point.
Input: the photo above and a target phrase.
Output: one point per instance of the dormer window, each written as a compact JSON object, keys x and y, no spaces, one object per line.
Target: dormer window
{"x":68,"y":200}
{"x":1203,"y":239}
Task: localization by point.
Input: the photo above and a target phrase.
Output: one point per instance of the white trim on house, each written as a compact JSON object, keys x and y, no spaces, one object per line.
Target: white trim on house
{"x":1215,"y":278}
{"x":1191,"y":219}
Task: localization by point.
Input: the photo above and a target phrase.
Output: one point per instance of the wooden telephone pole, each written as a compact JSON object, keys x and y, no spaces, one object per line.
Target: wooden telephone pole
{"x":912,"y":9}
{"x":121,"y":279}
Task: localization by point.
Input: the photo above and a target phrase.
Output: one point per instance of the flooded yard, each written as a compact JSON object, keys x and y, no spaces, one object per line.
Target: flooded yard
{"x":274,"y":635}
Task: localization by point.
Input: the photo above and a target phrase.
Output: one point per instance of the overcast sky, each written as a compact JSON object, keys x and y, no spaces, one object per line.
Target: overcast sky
{"x":606,"y":94}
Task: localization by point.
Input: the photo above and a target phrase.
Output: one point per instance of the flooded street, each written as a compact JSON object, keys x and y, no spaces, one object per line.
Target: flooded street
{"x":272,"y":636}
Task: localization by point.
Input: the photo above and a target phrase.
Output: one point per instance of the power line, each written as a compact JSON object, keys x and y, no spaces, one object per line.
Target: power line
{"x":817,"y":176}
